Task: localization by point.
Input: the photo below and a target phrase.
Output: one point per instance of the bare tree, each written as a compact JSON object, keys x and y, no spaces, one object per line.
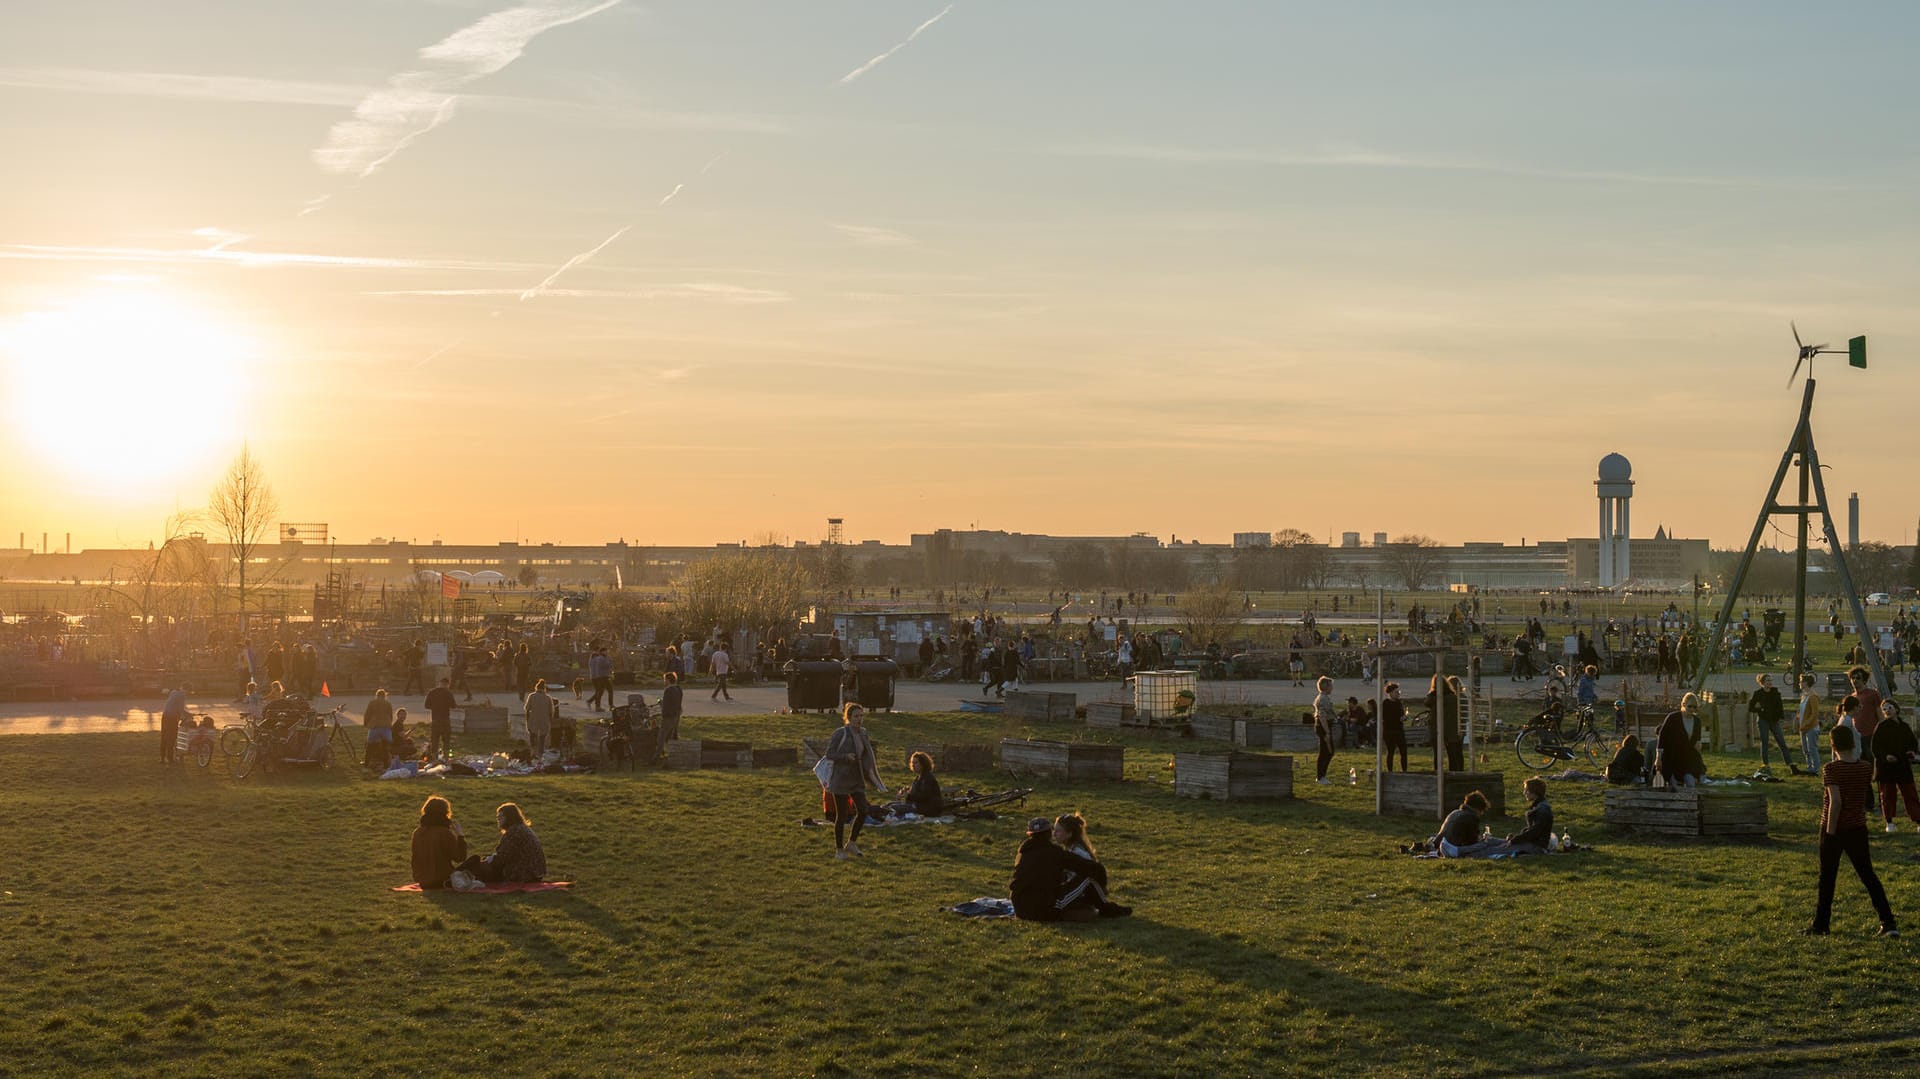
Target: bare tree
{"x":1209,"y":612}
{"x":243,"y":507}
{"x":163,"y":583}
{"x":1416,"y":560}
{"x":754,"y":588}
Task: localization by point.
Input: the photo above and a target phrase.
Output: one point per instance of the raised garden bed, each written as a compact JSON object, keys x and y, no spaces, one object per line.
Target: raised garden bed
{"x":963,"y":757}
{"x":691,"y":753}
{"x":1698,"y":811}
{"x":1217,"y":728}
{"x":1110,"y":714}
{"x":1412,"y":793}
{"x":482,"y":719}
{"x":1232,"y":776}
{"x":1036,"y":705}
{"x":1062,"y":760}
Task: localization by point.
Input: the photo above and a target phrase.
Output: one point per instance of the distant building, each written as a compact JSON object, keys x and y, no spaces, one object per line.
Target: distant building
{"x":1252,"y":539}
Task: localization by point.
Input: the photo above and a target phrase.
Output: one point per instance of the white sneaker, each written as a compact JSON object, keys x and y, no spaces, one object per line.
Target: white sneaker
{"x":1892,"y":827}
{"x":1324,"y":781}
{"x":855,"y":851}
{"x":841,"y":855}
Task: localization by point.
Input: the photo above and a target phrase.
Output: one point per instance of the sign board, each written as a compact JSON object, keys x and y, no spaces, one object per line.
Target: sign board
{"x":437,"y":654}
{"x":906,"y":633}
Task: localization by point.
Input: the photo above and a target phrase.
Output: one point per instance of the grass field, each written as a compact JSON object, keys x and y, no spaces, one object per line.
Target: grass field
{"x":169,"y":922}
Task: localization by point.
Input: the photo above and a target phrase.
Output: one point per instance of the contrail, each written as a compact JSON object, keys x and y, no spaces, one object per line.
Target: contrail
{"x":575,"y":261}
{"x":671,"y":194}
{"x":438,"y":352}
{"x":415,"y":102}
{"x":876,"y":61}
{"x":717,"y":158}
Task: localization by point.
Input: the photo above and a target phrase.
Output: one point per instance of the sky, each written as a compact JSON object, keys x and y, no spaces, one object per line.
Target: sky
{"x":679,"y":273}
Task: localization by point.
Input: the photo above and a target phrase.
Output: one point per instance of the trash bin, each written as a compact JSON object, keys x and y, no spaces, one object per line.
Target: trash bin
{"x":870,"y":683}
{"x":813,"y":684}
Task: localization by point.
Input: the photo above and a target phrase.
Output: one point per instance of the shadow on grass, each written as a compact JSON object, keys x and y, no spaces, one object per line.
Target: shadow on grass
{"x":1410,"y":1021}
{"x":504,"y":916}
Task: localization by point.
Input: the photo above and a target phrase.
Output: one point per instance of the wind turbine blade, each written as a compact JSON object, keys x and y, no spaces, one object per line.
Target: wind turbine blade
{"x":1796,"y":369}
{"x":1796,"y":335}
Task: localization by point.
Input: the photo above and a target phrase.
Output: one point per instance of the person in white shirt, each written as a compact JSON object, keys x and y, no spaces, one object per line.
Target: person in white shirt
{"x":722,"y":665}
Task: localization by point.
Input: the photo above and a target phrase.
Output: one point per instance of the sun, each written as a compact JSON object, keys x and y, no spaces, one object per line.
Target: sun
{"x":123,"y":389}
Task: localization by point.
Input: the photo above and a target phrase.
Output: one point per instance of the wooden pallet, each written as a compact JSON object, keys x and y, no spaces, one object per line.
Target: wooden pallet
{"x":1217,"y":728}
{"x":1235,"y":777}
{"x":1062,"y":760}
{"x":1040,"y":706}
{"x":1292,"y":738}
{"x":1253,"y":733}
{"x":691,"y":753}
{"x":1110,"y":714}
{"x":1698,"y":811}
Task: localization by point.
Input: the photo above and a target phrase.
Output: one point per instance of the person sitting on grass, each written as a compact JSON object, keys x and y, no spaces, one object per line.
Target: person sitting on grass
{"x":1533,"y":839}
{"x":404,"y":747}
{"x":924,"y":796}
{"x":518,"y":857}
{"x":1038,"y":871}
{"x":1628,"y":762}
{"x":439,"y":844}
{"x":1082,"y":891}
{"x":1459,"y":835}
{"x":1676,"y":755}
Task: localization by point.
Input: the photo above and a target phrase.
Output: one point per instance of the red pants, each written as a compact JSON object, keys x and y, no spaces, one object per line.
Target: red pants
{"x":1906,"y":791}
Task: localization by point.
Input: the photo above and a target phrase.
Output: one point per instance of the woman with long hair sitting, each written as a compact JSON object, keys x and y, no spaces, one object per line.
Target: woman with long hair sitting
{"x":517,"y":857}
{"x":1082,"y":891}
{"x":439,"y":844}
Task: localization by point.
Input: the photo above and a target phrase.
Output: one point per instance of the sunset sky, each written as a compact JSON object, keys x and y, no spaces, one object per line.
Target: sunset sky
{"x":1059,"y":266}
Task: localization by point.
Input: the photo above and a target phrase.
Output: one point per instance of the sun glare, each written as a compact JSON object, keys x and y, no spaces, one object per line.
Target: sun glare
{"x":124,"y":389}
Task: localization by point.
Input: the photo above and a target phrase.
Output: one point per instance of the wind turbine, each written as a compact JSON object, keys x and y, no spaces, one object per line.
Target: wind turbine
{"x":1808,"y":352}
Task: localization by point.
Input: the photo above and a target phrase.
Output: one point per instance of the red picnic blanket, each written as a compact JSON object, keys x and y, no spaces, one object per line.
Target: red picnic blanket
{"x":501,"y":888}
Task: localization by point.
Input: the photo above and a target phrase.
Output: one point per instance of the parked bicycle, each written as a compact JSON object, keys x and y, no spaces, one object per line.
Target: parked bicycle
{"x":1541,"y":742}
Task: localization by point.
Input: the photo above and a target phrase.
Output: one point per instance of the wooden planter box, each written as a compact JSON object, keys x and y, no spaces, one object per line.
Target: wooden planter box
{"x":1217,"y":728}
{"x":1411,"y":793}
{"x":482,"y":719}
{"x":776,"y":758}
{"x":952,"y":758}
{"x":1254,"y":733}
{"x":1293,"y":738}
{"x":1044,"y":707}
{"x":1112,"y":715}
{"x":1061,"y":760}
{"x":1232,"y":776}
{"x":1701,"y":811}
{"x":691,"y":753}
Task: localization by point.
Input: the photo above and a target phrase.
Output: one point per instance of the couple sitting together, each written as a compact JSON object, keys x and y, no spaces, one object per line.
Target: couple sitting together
{"x":1460,"y":834}
{"x":1056,"y":877}
{"x":440,"y":848}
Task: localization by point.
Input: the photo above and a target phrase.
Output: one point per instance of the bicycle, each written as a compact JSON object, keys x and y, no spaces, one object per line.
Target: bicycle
{"x":339,"y":742}
{"x":1541,"y":743}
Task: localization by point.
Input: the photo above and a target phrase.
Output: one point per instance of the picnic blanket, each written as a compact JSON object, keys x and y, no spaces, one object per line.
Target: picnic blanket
{"x":983,"y":907}
{"x":501,"y":888}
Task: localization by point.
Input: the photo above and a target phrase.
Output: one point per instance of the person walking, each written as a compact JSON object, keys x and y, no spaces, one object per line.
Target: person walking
{"x":600,"y":670}
{"x":1847,"y":782}
{"x":1323,"y":720}
{"x":539,"y":709}
{"x":721,"y":664}
{"x":1894,"y":750}
{"x":416,"y":656}
{"x":1807,"y":722}
{"x":850,"y":774}
{"x":1768,"y":712}
{"x":172,"y":714}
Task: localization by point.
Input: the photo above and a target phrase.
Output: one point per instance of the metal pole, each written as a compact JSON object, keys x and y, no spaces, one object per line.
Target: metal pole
{"x":1437,"y":726}
{"x":1874,"y":661}
{"x":1379,"y":702}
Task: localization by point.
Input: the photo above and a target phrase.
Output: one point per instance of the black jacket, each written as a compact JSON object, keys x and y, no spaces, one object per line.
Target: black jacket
{"x":1037,"y":872}
{"x":1626,"y":765}
{"x":1766,"y":705}
{"x":1539,"y":827}
{"x":1679,"y":752}
{"x":1893,"y":738}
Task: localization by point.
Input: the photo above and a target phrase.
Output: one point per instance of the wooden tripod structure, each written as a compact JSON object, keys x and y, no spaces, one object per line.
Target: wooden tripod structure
{"x":1800,"y":454}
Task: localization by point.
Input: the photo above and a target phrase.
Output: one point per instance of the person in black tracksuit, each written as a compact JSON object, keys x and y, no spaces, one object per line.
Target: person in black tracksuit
{"x":1039,"y":868}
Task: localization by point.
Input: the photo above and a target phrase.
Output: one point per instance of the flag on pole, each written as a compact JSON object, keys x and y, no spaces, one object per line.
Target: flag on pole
{"x":449,"y":586}
{"x":324,"y":691}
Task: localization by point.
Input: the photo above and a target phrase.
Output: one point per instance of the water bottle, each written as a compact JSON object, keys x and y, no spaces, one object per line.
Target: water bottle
{"x":1353,"y":777}
{"x":1566,"y":840}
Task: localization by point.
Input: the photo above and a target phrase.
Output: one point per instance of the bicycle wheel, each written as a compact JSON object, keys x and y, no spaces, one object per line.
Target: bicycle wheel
{"x":342,"y":745}
{"x":1536,"y":748}
{"x":203,"y":753}
{"x":232,"y":741}
{"x":244,"y":764}
{"x":1597,"y":750}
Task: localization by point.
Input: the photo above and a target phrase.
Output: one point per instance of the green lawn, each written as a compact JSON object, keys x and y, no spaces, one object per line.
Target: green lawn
{"x":175,"y":923}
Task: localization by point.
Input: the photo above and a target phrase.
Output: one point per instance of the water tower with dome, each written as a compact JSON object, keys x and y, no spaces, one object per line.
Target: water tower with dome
{"x":1615,"y":486}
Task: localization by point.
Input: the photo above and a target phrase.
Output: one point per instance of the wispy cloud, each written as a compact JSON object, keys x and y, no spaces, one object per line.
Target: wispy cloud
{"x":220,"y":252}
{"x":875,"y":236}
{"x":691,"y":290}
{"x":415,"y":102}
{"x":1363,"y":158}
{"x":880,"y":59}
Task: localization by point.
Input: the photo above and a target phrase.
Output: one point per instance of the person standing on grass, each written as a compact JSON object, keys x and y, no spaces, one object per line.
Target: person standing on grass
{"x":600,"y":670}
{"x":671,"y":699}
{"x":1393,"y":727}
{"x":539,"y":708}
{"x":853,"y":771}
{"x":1847,"y":782}
{"x":378,"y":721}
{"x":721,"y":663}
{"x":1769,"y":712}
{"x":1807,"y":721}
{"x":1324,"y":717}
{"x":1894,"y":750}
{"x":172,"y":714}
{"x":440,"y":704}
{"x":1867,"y":716}
{"x":1443,"y":705}
{"x":523,"y":669}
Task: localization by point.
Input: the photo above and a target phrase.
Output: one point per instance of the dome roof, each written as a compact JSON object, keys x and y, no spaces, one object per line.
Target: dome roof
{"x":1615,"y":469}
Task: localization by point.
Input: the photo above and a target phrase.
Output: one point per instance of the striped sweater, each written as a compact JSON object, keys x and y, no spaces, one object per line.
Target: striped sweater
{"x":1853,"y":783}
